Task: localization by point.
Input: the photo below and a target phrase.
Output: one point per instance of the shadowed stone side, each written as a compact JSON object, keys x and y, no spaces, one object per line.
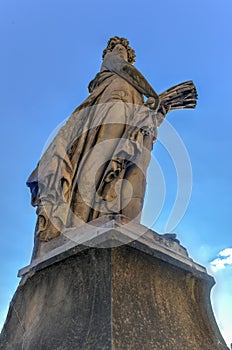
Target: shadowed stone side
{"x":159,"y":306}
{"x":66,"y":306}
{"x":116,"y":298}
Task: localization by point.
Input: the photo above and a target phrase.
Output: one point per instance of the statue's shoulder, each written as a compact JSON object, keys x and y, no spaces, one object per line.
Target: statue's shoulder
{"x":99,"y":78}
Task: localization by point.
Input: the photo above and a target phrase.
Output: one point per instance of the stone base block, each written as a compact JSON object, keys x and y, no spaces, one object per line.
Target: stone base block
{"x":135,"y":296}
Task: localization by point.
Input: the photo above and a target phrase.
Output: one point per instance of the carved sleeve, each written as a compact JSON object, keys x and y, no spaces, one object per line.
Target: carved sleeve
{"x":128,"y":72}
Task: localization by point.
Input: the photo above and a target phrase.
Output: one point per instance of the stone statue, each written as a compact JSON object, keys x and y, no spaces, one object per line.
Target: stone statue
{"x":96,"y":165}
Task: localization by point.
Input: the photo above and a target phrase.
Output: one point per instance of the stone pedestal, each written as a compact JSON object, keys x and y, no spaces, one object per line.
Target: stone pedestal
{"x":145,"y":294}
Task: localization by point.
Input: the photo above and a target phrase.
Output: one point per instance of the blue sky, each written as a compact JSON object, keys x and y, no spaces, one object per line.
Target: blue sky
{"x":51,"y":49}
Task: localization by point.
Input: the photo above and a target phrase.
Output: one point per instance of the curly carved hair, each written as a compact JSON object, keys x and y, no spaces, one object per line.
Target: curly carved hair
{"x":112,"y":42}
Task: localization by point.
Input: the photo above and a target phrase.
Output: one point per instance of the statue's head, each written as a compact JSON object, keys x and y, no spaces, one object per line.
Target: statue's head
{"x":112,"y":42}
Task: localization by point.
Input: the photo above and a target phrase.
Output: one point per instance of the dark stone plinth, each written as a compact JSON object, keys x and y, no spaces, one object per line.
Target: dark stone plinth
{"x":132,"y":296}
{"x":65,"y":306}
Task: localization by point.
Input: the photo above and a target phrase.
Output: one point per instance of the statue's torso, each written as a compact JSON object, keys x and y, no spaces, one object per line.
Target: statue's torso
{"x":120,"y":90}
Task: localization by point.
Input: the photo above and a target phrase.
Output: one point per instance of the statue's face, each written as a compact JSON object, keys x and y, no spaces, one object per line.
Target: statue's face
{"x":120,"y":50}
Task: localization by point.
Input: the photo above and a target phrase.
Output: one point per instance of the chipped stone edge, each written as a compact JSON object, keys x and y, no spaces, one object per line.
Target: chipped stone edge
{"x":112,"y":234}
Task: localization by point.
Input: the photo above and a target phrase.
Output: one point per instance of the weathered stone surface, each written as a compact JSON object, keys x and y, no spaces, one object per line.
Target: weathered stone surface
{"x":158,"y":306}
{"x":127,"y":297}
{"x":65,"y":306}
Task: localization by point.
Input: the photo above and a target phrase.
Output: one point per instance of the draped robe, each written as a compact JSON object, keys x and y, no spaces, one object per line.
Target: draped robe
{"x":96,"y":165}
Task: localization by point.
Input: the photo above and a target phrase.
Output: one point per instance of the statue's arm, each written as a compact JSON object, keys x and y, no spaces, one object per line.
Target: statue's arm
{"x":127,"y":71}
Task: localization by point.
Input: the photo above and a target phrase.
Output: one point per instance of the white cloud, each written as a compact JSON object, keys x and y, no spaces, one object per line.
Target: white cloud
{"x":224,"y":259}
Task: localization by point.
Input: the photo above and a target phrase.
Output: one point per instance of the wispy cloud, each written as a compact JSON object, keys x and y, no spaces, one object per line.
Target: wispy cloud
{"x":224,"y":259}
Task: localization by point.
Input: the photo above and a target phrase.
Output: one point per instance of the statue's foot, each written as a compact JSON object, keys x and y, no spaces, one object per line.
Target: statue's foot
{"x":45,"y":230}
{"x":50,"y":233}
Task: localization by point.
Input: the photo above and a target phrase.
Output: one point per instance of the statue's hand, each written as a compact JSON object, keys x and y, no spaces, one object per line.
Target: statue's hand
{"x":151,"y":103}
